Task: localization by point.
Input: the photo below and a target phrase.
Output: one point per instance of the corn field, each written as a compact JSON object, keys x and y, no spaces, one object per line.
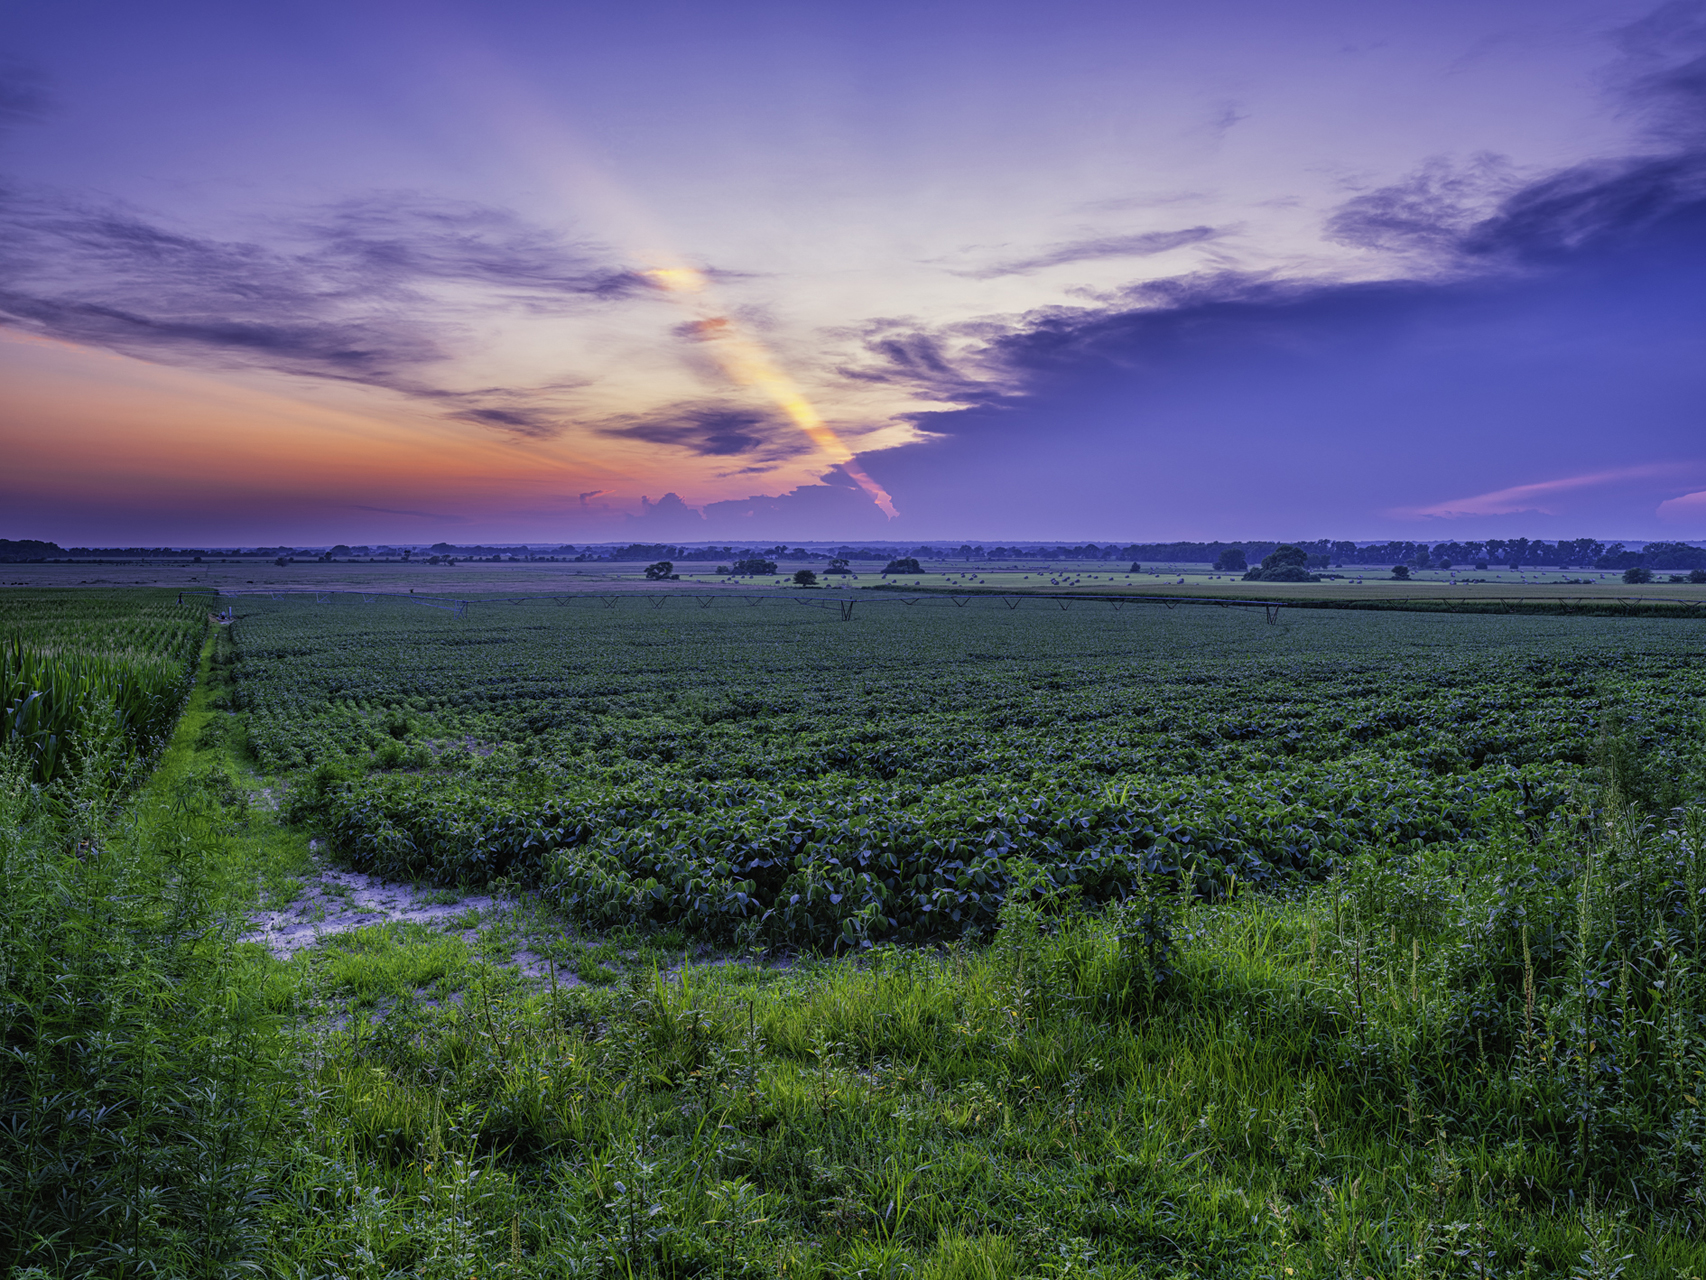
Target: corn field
{"x":78,"y":670}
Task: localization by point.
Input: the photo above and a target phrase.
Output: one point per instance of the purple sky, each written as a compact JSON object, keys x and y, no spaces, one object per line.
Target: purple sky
{"x":372,"y":272}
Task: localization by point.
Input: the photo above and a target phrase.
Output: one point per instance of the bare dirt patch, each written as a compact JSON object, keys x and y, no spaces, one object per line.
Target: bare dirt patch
{"x":333,"y":901}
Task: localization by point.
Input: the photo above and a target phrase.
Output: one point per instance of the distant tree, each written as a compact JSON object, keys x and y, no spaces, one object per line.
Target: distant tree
{"x":1401,"y":572}
{"x":1697,"y":576}
{"x":805,"y":578}
{"x":839,"y":565}
{"x":1232,"y":561}
{"x":661,"y":571}
{"x":1135,"y":567}
{"x":1285,"y":563}
{"x":753,"y":568}
{"x":1636,"y":574}
{"x":903,"y":564}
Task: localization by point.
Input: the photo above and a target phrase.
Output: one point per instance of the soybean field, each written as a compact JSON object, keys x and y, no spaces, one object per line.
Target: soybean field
{"x":777,"y":776}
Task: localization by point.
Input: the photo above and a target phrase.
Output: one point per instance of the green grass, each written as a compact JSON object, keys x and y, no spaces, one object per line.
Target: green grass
{"x":388,"y":961}
{"x":142,"y":1080}
{"x":1483,"y":1056}
{"x":1293,"y":1097}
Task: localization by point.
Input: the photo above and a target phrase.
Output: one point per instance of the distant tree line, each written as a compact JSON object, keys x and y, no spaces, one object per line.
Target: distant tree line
{"x":29,"y":550}
{"x":1512,"y":553}
{"x":654,"y":551}
{"x":480,"y":552}
{"x":1502,"y":553}
{"x":1519,"y":553}
{"x":751,"y":567}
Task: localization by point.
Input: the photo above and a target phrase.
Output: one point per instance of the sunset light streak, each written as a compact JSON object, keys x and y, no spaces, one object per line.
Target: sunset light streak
{"x":749,"y":364}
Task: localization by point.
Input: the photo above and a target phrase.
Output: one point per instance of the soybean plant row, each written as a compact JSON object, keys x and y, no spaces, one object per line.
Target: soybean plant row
{"x":782,"y":778}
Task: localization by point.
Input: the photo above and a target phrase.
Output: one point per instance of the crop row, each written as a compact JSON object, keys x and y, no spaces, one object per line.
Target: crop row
{"x":81,"y":673}
{"x":807,"y":864}
{"x":803,"y":781}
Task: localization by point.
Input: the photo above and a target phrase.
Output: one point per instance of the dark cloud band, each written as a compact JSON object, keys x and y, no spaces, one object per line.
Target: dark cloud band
{"x":713,"y":431}
{"x":351,"y":292}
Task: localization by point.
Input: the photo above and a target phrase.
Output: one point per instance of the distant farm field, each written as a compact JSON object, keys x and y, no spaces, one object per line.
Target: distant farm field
{"x":778,"y":775}
{"x":1357,"y":585}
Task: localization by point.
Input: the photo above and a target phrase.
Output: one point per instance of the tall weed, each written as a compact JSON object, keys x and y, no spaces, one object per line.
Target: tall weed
{"x":137,"y":1076}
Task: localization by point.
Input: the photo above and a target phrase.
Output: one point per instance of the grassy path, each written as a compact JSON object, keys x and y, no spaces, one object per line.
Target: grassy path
{"x":341,"y":943}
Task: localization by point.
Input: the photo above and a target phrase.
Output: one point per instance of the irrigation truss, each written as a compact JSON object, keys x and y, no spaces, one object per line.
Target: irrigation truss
{"x":842,"y":604}
{"x":459,"y":606}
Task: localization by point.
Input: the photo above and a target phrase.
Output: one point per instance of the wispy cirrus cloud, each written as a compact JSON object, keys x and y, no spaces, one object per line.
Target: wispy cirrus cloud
{"x":1477,"y":214}
{"x":1450,"y":232}
{"x":1430,"y":211}
{"x":373,"y":291}
{"x":1689,"y":508}
{"x":1524,"y":498}
{"x":1140,"y":245}
{"x":421,"y":515}
{"x":1507,"y":313}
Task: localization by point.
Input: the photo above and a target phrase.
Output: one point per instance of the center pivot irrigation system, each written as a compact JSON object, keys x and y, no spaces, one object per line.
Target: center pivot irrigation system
{"x":1625,"y":606}
{"x":459,"y":606}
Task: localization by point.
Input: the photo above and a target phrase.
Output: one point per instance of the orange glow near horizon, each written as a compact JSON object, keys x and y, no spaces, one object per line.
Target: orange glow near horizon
{"x":95,"y":429}
{"x":90,"y":424}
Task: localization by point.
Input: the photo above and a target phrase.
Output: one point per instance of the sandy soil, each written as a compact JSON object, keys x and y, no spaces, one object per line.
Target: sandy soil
{"x":335,"y":901}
